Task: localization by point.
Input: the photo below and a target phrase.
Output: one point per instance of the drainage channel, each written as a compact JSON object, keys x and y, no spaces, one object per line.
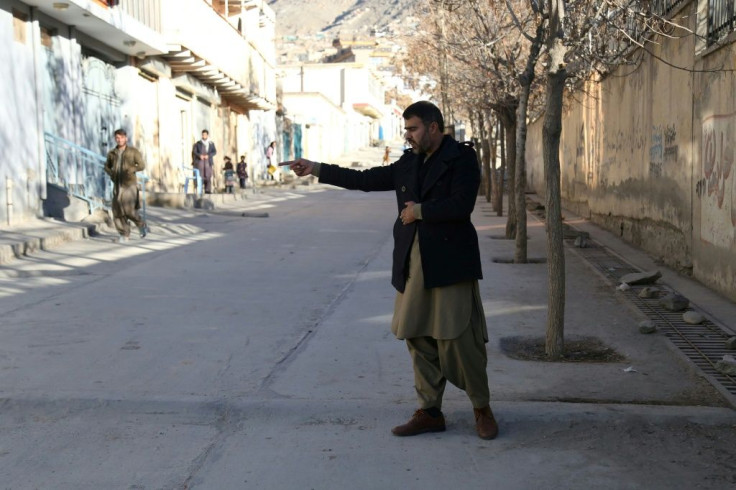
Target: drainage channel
{"x":704,"y":344}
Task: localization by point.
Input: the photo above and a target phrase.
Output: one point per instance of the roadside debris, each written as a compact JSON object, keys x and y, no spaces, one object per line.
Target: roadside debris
{"x":674,"y":302}
{"x":647,"y":326}
{"x":693,"y":317}
{"x":639,"y":278}
{"x":727,"y":365}
{"x":649,"y":292}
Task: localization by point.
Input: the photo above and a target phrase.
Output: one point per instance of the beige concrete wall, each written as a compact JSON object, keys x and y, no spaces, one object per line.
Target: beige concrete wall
{"x":648,"y":153}
{"x":714,"y":189}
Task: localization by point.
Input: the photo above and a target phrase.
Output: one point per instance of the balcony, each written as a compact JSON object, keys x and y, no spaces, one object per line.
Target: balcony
{"x":132,"y":27}
{"x":367,"y":109}
{"x":204,"y":44}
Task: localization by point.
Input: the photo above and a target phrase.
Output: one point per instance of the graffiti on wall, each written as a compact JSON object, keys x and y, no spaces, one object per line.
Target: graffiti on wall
{"x":663,"y":149}
{"x":715,"y":188}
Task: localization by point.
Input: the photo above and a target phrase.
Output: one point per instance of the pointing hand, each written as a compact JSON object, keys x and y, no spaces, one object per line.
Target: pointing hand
{"x":301,"y":167}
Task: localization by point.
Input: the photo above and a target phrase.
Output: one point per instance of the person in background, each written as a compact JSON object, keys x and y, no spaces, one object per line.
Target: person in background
{"x":121,"y":165}
{"x":269,"y":151}
{"x":229,"y":175}
{"x":386,"y":155}
{"x":270,"y":167}
{"x":242,"y":171}
{"x":202,"y":154}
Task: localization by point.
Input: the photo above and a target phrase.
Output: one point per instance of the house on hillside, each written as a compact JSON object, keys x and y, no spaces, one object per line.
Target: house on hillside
{"x":338,"y":107}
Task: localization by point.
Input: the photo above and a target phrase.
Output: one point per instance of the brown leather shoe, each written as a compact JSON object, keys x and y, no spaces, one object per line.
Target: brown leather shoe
{"x":420,"y":423}
{"x":485,"y":423}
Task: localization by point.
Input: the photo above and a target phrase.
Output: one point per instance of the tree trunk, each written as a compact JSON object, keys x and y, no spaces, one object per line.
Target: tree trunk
{"x":520,"y":251}
{"x":485,"y":157}
{"x":525,"y":80}
{"x":510,"y":130}
{"x":551,"y":132}
{"x":492,"y":160}
{"x":499,"y":180}
{"x":507,"y":115}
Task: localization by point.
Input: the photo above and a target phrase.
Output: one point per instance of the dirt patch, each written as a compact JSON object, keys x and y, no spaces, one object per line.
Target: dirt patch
{"x":578,"y":349}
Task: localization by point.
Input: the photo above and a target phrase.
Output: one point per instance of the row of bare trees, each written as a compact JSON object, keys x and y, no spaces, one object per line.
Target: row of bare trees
{"x":497,"y":60}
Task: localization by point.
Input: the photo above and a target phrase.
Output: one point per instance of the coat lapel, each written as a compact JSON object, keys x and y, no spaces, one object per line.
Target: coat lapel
{"x":410,"y":180}
{"x":439,"y":166}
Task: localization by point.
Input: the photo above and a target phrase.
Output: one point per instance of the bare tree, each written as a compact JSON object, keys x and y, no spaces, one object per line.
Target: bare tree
{"x":582,"y":37}
{"x":536,"y":20}
{"x":482,"y":38}
{"x":486,"y":59}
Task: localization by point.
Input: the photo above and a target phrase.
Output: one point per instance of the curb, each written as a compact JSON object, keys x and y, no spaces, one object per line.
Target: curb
{"x":25,"y":245}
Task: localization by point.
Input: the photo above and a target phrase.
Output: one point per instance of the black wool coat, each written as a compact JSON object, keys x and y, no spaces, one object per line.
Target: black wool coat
{"x":447,"y":238}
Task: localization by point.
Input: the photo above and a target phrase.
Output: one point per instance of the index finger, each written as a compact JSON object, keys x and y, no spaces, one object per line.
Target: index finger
{"x":286,"y":163}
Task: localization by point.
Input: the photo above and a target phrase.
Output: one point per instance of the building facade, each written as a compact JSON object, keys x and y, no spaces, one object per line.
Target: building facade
{"x":80,"y":69}
{"x":649,"y":152}
{"x":340,"y":107}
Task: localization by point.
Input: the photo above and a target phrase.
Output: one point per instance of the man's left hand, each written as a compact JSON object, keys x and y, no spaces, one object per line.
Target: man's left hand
{"x":407,"y":214}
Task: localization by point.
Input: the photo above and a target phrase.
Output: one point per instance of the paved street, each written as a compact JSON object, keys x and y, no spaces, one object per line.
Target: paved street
{"x":228,"y":351}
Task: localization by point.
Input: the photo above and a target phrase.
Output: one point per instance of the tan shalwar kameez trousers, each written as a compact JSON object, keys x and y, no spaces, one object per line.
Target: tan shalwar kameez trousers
{"x":122,"y":166}
{"x":445,"y":331}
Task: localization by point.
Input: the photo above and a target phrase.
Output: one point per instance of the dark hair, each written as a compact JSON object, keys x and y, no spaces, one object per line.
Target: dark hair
{"x":205,"y":131}
{"x":427,"y":112}
{"x":121,"y":131}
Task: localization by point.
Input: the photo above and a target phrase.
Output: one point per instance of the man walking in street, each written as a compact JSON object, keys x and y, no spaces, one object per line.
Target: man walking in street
{"x":121,"y":165}
{"x":202,"y":154}
{"x":436,"y":264}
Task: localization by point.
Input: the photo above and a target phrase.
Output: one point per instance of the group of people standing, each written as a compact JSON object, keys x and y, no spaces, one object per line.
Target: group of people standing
{"x":124,"y":161}
{"x":203,"y":152}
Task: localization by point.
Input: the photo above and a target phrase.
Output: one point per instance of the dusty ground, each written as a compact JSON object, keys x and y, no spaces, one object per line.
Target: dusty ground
{"x":584,"y":349}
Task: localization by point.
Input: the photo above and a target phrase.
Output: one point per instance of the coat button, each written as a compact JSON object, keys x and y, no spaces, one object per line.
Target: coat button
{"x":403,"y":188}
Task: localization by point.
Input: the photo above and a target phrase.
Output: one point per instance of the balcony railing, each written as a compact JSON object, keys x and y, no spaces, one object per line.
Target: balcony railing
{"x":213,"y":50}
{"x":721,"y":19}
{"x":666,"y":7}
{"x":147,"y":12}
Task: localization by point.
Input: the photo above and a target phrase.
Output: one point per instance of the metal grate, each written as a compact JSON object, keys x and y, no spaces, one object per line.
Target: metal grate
{"x":703,"y":344}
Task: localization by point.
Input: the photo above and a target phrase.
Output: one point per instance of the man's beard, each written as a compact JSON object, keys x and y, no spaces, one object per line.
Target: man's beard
{"x":420,"y":147}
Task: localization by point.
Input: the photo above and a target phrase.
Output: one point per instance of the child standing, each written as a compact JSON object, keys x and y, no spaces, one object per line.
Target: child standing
{"x":229,"y":175}
{"x":242,"y":171}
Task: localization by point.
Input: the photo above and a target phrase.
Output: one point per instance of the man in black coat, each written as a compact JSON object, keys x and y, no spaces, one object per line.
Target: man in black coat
{"x":202,"y":153}
{"x":436,"y":264}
